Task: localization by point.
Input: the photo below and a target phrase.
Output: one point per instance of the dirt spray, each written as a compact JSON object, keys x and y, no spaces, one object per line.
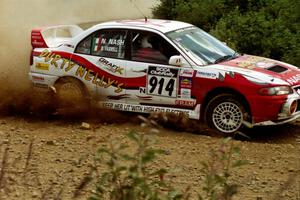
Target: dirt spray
{"x":17,"y":18}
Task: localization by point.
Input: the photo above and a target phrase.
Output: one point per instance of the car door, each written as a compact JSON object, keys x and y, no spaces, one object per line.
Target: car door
{"x":104,"y":53}
{"x":154,"y":81}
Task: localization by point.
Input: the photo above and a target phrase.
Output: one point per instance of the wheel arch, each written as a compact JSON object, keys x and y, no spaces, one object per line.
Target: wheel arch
{"x":224,"y":90}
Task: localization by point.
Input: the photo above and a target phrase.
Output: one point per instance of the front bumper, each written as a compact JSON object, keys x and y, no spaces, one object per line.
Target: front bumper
{"x":285,"y":116}
{"x":279,"y":122}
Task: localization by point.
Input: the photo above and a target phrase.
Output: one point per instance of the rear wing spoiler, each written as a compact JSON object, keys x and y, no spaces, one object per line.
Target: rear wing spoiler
{"x":53,"y":36}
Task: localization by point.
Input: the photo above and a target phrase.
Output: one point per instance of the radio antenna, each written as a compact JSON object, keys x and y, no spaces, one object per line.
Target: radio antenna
{"x":140,"y":11}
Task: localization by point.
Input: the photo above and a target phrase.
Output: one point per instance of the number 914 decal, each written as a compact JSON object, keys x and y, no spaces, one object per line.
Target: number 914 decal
{"x":162,"y":81}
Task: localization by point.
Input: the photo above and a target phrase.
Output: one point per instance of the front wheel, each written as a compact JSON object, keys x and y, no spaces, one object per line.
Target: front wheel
{"x":225,"y":113}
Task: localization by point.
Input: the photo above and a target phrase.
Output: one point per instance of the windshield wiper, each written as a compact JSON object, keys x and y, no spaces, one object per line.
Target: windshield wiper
{"x":223,"y":58}
{"x":226,"y":57}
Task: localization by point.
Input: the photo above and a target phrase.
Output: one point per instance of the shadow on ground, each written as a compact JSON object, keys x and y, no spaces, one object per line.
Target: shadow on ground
{"x":286,"y":133}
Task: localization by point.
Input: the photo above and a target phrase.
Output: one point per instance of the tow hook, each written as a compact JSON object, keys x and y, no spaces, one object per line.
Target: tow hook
{"x":247,"y":124}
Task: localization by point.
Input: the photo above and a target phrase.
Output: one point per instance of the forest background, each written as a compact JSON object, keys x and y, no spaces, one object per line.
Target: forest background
{"x":269,"y":28}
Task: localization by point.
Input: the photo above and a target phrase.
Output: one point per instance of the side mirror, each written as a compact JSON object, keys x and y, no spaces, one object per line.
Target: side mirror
{"x":176,"y":60}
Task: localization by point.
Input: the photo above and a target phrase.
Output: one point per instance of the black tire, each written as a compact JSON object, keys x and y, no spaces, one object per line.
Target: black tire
{"x":71,"y":96}
{"x":225,"y":113}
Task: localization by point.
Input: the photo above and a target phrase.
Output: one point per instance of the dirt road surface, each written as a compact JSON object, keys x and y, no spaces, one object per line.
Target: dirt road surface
{"x":48,"y":158}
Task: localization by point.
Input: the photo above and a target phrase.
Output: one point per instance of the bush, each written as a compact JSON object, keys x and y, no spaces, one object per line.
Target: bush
{"x":128,"y":176}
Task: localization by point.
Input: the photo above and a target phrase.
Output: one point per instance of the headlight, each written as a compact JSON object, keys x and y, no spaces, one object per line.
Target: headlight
{"x":278,"y":90}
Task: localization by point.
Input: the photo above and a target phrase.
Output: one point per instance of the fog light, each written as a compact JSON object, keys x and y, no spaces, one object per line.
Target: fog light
{"x":293,"y":107}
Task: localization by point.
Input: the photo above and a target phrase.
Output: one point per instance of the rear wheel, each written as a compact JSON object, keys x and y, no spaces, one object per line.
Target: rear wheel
{"x":225,"y":113}
{"x":71,"y":96}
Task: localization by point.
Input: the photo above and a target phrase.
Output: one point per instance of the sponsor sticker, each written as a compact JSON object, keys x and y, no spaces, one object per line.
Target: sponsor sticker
{"x":187,"y":72}
{"x":189,"y":103}
{"x":186,"y":82}
{"x":111,"y":67}
{"x":207,"y":74}
{"x":162,"y":71}
{"x":40,"y":85}
{"x":38,"y":78}
{"x":185,"y":93}
{"x":142,"y":90}
{"x":42,"y":66}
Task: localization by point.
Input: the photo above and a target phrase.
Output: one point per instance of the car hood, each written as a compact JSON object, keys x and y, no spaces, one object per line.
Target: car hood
{"x":261,"y":68}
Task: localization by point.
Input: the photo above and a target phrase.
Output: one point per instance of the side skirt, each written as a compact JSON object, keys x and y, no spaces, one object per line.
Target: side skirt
{"x":192,"y":114}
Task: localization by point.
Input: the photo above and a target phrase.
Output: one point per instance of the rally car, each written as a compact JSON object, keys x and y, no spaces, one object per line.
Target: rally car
{"x":164,"y":66}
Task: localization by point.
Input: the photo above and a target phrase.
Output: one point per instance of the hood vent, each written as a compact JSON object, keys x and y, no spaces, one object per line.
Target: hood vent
{"x":277,"y":69}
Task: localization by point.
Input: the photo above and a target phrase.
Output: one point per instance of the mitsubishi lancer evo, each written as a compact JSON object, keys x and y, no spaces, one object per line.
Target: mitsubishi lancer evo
{"x":153,"y":65}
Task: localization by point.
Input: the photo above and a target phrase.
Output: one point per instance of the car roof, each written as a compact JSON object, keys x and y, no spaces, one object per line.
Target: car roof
{"x":157,"y":24}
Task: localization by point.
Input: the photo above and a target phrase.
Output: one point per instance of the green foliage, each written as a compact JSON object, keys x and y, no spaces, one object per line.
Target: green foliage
{"x":199,"y":13}
{"x":165,"y":9}
{"x":272,"y":31}
{"x":269,"y":28}
{"x":124,"y":174}
{"x":217,"y":171}
{"x":128,"y":176}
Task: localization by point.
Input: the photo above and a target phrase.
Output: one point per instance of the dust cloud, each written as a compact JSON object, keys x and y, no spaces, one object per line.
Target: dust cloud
{"x":19,"y":17}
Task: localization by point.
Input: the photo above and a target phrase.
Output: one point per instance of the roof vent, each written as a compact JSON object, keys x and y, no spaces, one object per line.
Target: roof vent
{"x":277,"y":69}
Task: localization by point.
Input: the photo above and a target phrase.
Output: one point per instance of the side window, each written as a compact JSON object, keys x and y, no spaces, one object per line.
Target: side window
{"x":84,"y":47}
{"x":152,"y":48}
{"x":109,"y":43}
{"x":106,"y":43}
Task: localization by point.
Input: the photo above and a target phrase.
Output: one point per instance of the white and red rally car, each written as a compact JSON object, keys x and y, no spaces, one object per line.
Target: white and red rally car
{"x":165,"y":66}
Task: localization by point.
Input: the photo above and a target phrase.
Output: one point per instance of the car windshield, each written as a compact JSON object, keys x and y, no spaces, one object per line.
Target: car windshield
{"x":204,"y":48}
